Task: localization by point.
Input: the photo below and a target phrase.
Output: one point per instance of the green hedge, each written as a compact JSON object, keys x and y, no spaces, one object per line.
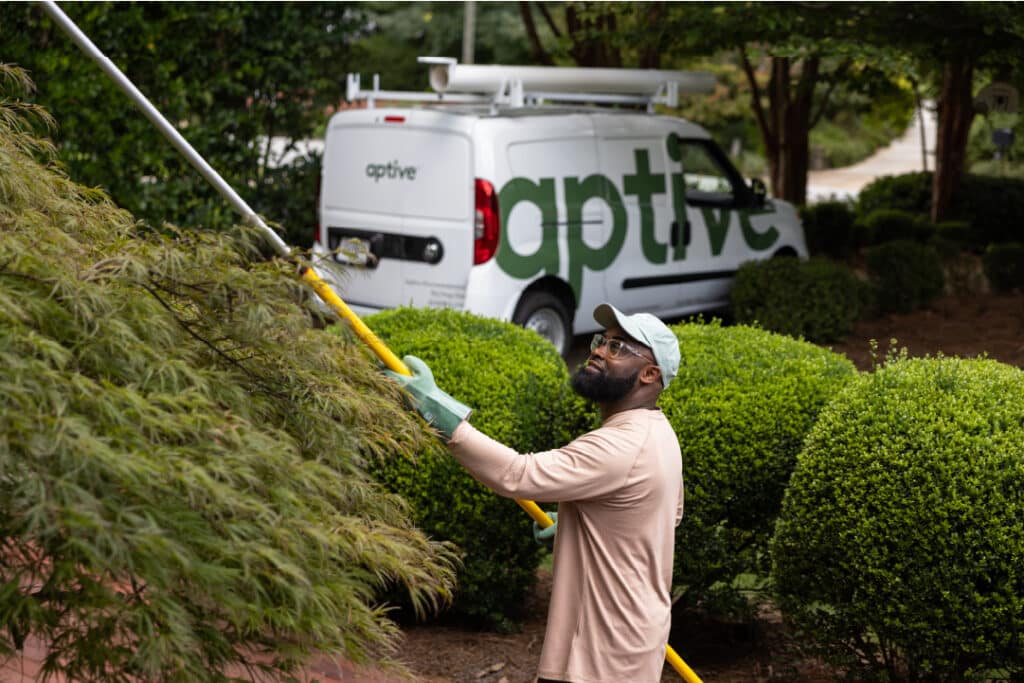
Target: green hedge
{"x":911,"y":192}
{"x":741,"y":405}
{"x":829,"y":229}
{"x":1004,"y":266}
{"x":906,"y":275}
{"x":993,"y":206}
{"x":902,"y":531}
{"x":518,"y":386}
{"x":818,"y":299}
{"x":890,"y":225}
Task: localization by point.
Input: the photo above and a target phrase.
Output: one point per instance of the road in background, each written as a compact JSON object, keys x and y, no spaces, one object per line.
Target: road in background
{"x":903,"y":155}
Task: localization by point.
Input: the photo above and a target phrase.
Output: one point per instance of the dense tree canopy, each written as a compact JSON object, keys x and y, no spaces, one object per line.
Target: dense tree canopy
{"x":229,"y":75}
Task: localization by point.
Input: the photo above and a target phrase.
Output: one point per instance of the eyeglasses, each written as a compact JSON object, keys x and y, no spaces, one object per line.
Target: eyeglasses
{"x":615,"y":346}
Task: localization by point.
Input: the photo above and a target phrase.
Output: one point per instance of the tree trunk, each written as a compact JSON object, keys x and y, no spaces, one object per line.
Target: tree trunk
{"x":654,"y":17}
{"x":956,"y":110}
{"x":778,"y":102}
{"x":536,"y":48}
{"x":790,"y":115}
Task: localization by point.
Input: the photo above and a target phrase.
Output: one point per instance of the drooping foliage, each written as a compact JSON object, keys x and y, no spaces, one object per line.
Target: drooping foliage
{"x":182,"y":490}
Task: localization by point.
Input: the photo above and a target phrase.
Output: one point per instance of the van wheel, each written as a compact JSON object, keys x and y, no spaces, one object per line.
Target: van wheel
{"x":545,"y":314}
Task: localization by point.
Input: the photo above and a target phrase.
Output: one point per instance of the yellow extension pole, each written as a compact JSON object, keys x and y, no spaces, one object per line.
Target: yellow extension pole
{"x":309,"y":275}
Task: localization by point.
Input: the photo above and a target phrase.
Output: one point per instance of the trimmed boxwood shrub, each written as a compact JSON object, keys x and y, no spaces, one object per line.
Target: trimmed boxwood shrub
{"x":957,"y":232}
{"x":890,"y":225}
{"x":900,"y":540}
{"x":1004,"y":266}
{"x":518,"y":385}
{"x":828,"y":228}
{"x":906,"y":275}
{"x":992,"y":206}
{"x":911,"y":192}
{"x":741,"y":405}
{"x":818,"y":299}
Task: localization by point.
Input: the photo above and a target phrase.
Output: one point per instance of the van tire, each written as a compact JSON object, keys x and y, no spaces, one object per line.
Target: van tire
{"x":545,"y":314}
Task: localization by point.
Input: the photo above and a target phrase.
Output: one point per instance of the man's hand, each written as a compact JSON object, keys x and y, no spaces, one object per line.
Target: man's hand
{"x":439,"y":409}
{"x":546,"y":536}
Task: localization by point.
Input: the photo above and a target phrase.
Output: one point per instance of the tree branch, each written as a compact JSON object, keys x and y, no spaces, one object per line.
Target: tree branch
{"x":549,"y":20}
{"x":840,"y":72}
{"x":755,"y":90}
{"x":536,"y":49}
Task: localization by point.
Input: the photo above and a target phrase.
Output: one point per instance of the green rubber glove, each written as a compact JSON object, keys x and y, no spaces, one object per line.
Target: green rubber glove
{"x":439,"y":409}
{"x":546,"y":536}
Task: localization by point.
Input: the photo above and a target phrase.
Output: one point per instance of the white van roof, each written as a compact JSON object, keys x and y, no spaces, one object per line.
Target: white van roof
{"x":521,"y":86}
{"x":685,"y":128}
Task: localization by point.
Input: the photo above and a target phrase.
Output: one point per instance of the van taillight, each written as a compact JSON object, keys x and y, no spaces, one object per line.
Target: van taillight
{"x":486,"y":223}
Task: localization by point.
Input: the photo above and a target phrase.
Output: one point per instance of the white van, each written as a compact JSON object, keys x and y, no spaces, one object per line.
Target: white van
{"x":513,"y":207}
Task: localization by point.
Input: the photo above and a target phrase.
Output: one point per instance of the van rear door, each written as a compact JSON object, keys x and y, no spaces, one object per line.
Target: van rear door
{"x":396,"y":206}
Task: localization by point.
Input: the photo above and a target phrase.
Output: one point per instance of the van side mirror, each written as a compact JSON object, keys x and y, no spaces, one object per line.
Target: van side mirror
{"x":760,"y":191}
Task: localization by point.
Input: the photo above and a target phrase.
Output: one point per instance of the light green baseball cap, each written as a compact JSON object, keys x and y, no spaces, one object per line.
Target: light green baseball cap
{"x":649,"y":331}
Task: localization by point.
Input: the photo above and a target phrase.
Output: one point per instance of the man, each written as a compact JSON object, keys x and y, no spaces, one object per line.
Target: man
{"x":620,"y":495}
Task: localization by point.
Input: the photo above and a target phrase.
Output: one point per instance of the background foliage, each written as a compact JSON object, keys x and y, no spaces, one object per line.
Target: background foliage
{"x":182,"y":453}
{"x":897,"y":552}
{"x":741,"y":405}
{"x":230,"y":76}
{"x":518,"y":386}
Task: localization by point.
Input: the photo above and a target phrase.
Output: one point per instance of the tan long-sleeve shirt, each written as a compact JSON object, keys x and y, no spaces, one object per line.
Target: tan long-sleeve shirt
{"x":620,"y":494}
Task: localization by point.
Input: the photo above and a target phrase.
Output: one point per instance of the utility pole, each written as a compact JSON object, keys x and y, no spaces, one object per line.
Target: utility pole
{"x":468,"y":30}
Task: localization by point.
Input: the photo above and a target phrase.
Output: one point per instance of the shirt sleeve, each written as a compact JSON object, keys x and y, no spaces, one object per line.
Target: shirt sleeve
{"x":593,"y":465}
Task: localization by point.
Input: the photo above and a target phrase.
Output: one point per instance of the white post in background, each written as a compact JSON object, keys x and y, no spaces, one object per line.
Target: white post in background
{"x":468,"y":30}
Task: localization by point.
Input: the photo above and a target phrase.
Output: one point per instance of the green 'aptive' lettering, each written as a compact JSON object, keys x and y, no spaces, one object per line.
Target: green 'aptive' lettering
{"x":758,"y":241}
{"x":580,"y":254}
{"x":718,"y":228}
{"x":644,"y":185}
{"x":545,"y":258}
{"x":675,"y":153}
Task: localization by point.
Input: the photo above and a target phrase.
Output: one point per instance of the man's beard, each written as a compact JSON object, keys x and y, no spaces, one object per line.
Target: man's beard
{"x":600,"y":387}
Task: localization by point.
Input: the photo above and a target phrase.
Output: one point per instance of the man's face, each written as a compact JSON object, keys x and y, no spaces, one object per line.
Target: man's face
{"x":608,"y":377}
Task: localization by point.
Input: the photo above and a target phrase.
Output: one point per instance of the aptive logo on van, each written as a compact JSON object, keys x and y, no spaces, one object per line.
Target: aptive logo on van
{"x":392,"y":169}
{"x":643,"y":184}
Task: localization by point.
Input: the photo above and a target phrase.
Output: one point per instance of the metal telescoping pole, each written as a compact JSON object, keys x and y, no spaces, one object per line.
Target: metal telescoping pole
{"x":319,"y":285}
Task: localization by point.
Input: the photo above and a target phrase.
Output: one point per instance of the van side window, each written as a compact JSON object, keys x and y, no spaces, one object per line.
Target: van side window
{"x":709,"y":178}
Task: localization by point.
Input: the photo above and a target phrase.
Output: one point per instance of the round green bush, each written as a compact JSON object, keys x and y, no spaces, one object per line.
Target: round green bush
{"x":911,"y":192}
{"x":992,"y":206}
{"x":957,"y":232}
{"x":906,"y":275}
{"x":900,"y":540}
{"x":818,"y":300}
{"x":518,"y":386}
{"x":889,"y":225}
{"x":741,"y":405}
{"x":828,"y":227}
{"x":1004,"y":266}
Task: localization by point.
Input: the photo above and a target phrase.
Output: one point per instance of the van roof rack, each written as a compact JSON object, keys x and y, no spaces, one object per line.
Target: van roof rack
{"x":520,"y":86}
